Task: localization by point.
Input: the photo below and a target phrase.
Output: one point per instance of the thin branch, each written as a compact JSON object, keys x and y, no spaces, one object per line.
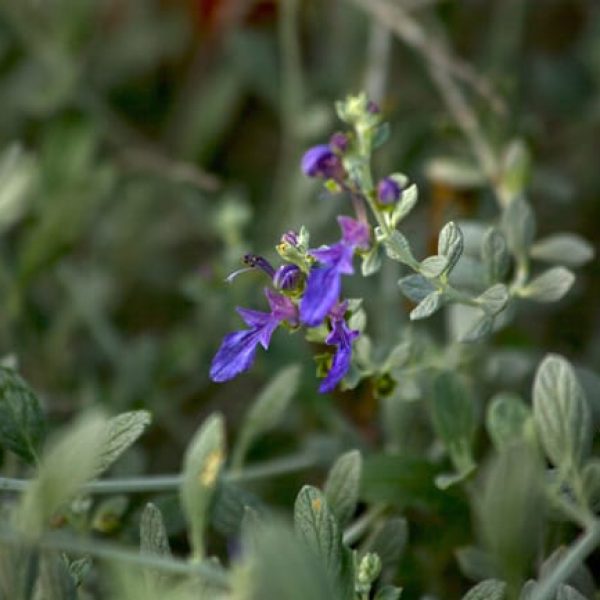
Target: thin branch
{"x":413,"y":35}
{"x":165,"y":483}
{"x":104,"y":550}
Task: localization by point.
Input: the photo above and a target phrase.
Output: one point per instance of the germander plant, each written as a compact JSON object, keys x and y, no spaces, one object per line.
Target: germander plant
{"x":524,"y":474}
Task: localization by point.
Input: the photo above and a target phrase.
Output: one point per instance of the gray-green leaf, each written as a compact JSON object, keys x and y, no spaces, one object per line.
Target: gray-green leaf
{"x":490,"y":589}
{"x":494,"y":254}
{"x":266,"y":411}
{"x":202,"y":465}
{"x":415,"y":287}
{"x":507,"y":419}
{"x":405,"y":204}
{"x":433,"y":266}
{"x":21,"y":420}
{"x":450,"y":244}
{"x":518,"y":226}
{"x":153,"y":534}
{"x":550,"y":286}
{"x":564,"y":249}
{"x":561,"y":413}
{"x":371,"y":261}
{"x":427,"y":306}
{"x":121,"y":432}
{"x":343,"y":485}
{"x":397,"y":248}
{"x":494,"y":299}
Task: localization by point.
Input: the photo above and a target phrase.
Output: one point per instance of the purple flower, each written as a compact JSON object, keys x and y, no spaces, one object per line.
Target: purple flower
{"x":323,"y":285}
{"x":287,"y":277}
{"x":321,"y":161}
{"x":238,"y":349}
{"x":339,"y":142}
{"x":388,"y":191}
{"x":342,"y":337}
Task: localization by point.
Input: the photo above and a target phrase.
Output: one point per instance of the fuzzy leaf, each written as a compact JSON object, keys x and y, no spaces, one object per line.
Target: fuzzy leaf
{"x":490,"y":589}
{"x":406,"y":203}
{"x":121,"y":432}
{"x":561,"y":413}
{"x":433,"y":266}
{"x":266,"y":411}
{"x":201,"y":469}
{"x":494,"y":254}
{"x":397,"y":248}
{"x":153,"y":534}
{"x":427,"y":306}
{"x":480,"y":326}
{"x":507,"y":419}
{"x":564,"y":249}
{"x":550,"y":286}
{"x":450,"y":244}
{"x":518,"y":226}
{"x":371,"y":261}
{"x":415,"y":287}
{"x":494,"y":299}
{"x":21,"y":420}
{"x":343,"y":485}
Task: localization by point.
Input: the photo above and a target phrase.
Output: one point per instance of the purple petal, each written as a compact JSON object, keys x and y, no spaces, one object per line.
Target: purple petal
{"x":321,"y":293}
{"x":339,"y":256}
{"x":388,"y":191}
{"x":254,"y":318}
{"x":339,"y":368}
{"x":354,"y":233}
{"x":320,"y":161}
{"x":282,"y":308}
{"x":235,"y":355}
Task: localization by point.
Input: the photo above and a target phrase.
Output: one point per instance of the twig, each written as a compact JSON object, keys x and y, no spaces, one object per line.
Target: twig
{"x":164,"y":483}
{"x":570,"y":562}
{"x":413,"y":35}
{"x":113,"y":552}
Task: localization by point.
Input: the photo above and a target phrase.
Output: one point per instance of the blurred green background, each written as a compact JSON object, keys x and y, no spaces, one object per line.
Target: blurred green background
{"x":146,"y":145}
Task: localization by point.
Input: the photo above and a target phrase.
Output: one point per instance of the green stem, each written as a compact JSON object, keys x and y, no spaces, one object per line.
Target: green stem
{"x":570,"y":562}
{"x":112,"y":552}
{"x":165,"y":483}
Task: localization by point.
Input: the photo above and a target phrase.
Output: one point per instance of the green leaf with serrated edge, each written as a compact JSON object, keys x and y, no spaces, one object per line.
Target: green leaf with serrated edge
{"x":427,"y":306}
{"x":121,"y":432}
{"x":490,"y":589}
{"x":266,"y":411}
{"x":561,"y":413}
{"x":479,"y":327}
{"x":388,"y":541}
{"x":450,"y":244}
{"x":475,"y":563}
{"x":397,"y":248}
{"x":453,"y":414}
{"x":433,"y":266}
{"x":550,"y":286}
{"x":371,"y":261}
{"x":388,"y":592}
{"x":507,"y":419}
{"x":518,"y":226}
{"x":591,"y":483}
{"x":494,"y":254}
{"x":21,"y":419}
{"x":494,"y":299}
{"x":68,"y":462}
{"x":342,"y":486}
{"x":316,"y":524}
{"x":202,"y":465}
{"x":406,"y":203}
{"x":416,"y":287}
{"x":566,"y":249}
{"x":153,"y":534}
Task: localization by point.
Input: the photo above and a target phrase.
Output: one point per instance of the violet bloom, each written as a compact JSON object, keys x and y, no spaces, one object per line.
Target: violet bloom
{"x":323,"y":285}
{"x":388,"y":191}
{"x":342,"y":337}
{"x":321,"y":161}
{"x":238,"y":349}
{"x":287,"y":277}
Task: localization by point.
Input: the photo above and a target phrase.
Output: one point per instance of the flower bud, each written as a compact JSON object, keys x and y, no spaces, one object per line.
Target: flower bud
{"x":339,"y":142}
{"x":388,"y":191}
{"x":287,"y":277}
{"x":321,"y":161}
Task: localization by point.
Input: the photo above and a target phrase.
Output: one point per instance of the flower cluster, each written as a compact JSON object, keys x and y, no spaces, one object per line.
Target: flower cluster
{"x":306,"y":292}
